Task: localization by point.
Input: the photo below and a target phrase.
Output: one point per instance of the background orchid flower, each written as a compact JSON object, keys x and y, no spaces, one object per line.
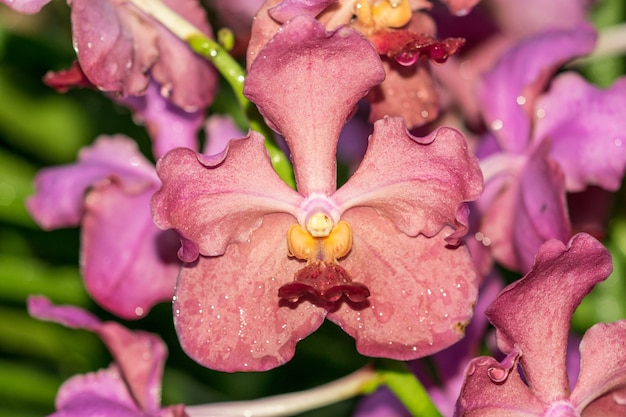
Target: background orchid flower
{"x":382,"y":245}
{"x":403,"y":34}
{"x":130,"y":387}
{"x":128,"y":264}
{"x":543,"y":144}
{"x":25,"y":6}
{"x":532,"y":318}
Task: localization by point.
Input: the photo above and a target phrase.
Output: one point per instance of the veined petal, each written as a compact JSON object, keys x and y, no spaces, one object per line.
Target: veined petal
{"x":227,"y":311}
{"x":494,"y":389}
{"x":542,"y":303}
{"x":508,"y":92}
{"x":421,"y":185}
{"x":603,"y":366}
{"x":128,"y":263}
{"x":139,"y":355}
{"x":422,"y":291}
{"x":60,"y":190}
{"x":290,"y":81}
{"x":213,"y":201}
{"x":586,"y":128}
{"x":96,"y":394}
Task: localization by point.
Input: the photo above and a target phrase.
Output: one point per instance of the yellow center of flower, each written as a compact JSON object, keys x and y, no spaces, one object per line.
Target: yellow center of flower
{"x":304,"y":244}
{"x":383,"y":13}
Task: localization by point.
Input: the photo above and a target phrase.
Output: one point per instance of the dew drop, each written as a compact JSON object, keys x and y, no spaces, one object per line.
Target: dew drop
{"x":406,"y":58}
{"x":383,"y":312}
{"x":617,"y":142}
{"x":496,"y":124}
{"x":138,"y":311}
{"x":521,"y":100}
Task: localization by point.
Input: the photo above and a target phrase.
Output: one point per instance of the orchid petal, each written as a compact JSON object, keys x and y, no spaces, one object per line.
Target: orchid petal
{"x":139,"y":355}
{"x":288,"y":9}
{"x":541,"y":212}
{"x":483,"y":395}
{"x":460,"y":7}
{"x":509,"y":90}
{"x":422,"y":290}
{"x":60,"y":190}
{"x":603,"y":364}
{"x":192,"y":86}
{"x":586,"y":129}
{"x":169,"y":126}
{"x":213,"y":201}
{"x":289,"y":83}
{"x":25,"y":6}
{"x":96,"y":394}
{"x":421,"y":185}
{"x":219,"y":131}
{"x":227,"y":312}
{"x":542,"y":303}
{"x":128,"y":263}
{"x":115,"y":46}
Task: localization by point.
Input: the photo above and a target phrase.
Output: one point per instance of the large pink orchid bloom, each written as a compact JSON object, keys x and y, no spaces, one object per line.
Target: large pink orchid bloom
{"x":532,"y":318}
{"x":404,"y":208}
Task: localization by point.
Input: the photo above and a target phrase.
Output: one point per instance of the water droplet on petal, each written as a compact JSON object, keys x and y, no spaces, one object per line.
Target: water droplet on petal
{"x":382,"y":312}
{"x":406,"y":58}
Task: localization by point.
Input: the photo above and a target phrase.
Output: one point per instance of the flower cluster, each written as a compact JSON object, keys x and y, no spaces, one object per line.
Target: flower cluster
{"x":475,"y":133}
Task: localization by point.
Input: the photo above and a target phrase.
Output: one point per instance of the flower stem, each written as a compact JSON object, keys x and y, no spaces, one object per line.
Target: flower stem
{"x":230,"y":69}
{"x":293,"y":403}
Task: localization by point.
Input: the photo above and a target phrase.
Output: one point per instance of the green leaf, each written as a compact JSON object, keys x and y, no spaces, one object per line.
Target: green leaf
{"x":16,"y":184}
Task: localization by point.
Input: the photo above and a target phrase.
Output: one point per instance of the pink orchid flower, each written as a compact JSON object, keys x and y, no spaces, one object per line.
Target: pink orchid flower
{"x":532,"y":318}
{"x":130,"y":387}
{"x":265,"y":264}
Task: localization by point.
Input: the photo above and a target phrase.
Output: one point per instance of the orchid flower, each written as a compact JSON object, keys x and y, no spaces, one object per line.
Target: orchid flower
{"x":544,"y":144}
{"x":130,"y":387}
{"x":265,"y":264}
{"x":532,"y":319}
{"x":402,"y":33}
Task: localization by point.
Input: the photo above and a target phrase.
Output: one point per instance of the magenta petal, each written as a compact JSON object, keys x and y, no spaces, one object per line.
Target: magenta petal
{"x":139,"y":355}
{"x":421,"y":185}
{"x":586,"y":128}
{"x":127,"y":262}
{"x":289,"y":82}
{"x":460,"y":7}
{"x":422,"y":290}
{"x":509,"y":90}
{"x":25,"y":6}
{"x":213,"y":201}
{"x":288,"y":9}
{"x":102,"y":393}
{"x":484,"y":395}
{"x":541,"y":305}
{"x":58,"y":201}
{"x":227,"y":312}
{"x":219,"y":131}
{"x":603,"y":366}
{"x":540,"y":213}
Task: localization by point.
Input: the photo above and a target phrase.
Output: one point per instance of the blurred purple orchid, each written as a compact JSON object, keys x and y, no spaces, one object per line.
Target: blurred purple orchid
{"x":544,"y":144}
{"x":401,"y":32}
{"x":242,"y":303}
{"x":130,"y":387}
{"x":532,"y":318}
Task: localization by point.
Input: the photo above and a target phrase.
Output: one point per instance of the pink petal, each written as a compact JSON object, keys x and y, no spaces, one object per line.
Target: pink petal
{"x":534,"y":313}
{"x":460,"y":7}
{"x":586,"y":128}
{"x":483,"y":395}
{"x":422,"y":290}
{"x":541,"y":212}
{"x":127,"y":262}
{"x":219,"y":131}
{"x":169,"y":126}
{"x":96,"y":394}
{"x":58,"y":201}
{"x":217,"y":200}
{"x":603,"y":366}
{"x":25,"y":6}
{"x":227,"y":312}
{"x":421,"y":185}
{"x":523,"y":72}
{"x":289,"y":84}
{"x":191,"y":86}
{"x":115,"y":45}
{"x":139,"y":355}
